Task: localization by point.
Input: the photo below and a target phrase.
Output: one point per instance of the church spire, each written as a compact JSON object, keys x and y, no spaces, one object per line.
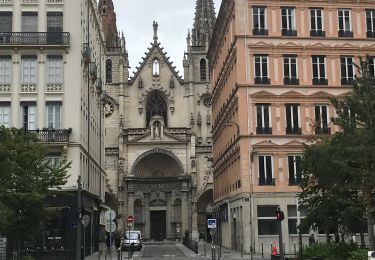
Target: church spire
{"x":204,"y":22}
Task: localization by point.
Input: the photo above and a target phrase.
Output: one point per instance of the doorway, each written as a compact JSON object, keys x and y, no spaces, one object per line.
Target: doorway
{"x":158,"y":225}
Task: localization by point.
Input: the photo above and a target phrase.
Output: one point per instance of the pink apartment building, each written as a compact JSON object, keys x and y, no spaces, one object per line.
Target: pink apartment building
{"x":274,"y":65}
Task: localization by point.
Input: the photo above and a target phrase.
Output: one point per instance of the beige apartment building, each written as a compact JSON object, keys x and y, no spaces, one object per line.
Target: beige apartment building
{"x":52,"y":60}
{"x":273,"y":66}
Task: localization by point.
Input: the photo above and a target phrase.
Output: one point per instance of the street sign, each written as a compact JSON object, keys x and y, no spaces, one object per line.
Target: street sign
{"x":110,"y":215}
{"x":211,"y":223}
{"x":178,"y":230}
{"x":110,"y":226}
{"x":130,"y":219}
{"x":85,"y":220}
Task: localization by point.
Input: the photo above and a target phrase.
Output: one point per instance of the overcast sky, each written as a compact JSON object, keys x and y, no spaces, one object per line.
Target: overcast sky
{"x":174,"y":17}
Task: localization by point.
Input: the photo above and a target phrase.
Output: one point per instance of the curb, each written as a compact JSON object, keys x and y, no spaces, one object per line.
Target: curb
{"x":186,"y":251}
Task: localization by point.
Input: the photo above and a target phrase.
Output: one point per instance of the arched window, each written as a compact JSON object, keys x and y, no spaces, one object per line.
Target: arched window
{"x":108,"y":71}
{"x":156,"y":106}
{"x":156,"y":67}
{"x":203,"y":70}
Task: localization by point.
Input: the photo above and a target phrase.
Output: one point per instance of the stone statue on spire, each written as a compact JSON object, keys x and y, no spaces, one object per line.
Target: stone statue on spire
{"x":155,"y":25}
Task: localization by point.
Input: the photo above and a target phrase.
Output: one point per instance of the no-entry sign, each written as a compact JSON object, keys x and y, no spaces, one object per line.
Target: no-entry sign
{"x":130,"y":219}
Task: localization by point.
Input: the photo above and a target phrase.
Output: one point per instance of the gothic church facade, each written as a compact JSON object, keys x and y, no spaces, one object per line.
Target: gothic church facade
{"x":158,"y":132}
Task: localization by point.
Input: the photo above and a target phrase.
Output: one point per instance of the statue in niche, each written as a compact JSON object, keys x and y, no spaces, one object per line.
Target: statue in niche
{"x":157,"y":129}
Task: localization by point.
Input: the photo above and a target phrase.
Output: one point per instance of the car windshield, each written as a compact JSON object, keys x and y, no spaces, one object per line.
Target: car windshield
{"x":132,"y":235}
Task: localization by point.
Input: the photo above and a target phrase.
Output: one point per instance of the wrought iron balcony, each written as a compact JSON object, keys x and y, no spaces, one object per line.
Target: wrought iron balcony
{"x":288,"y":32}
{"x":35,"y":38}
{"x":291,"y":81}
{"x":345,"y":81}
{"x":263,"y":80}
{"x":370,"y":34}
{"x":317,"y":33}
{"x":342,"y":33}
{"x":325,"y":130}
{"x":264,"y":130}
{"x":320,"y":81}
{"x":52,"y":135}
{"x":267,"y":181}
{"x":294,"y":182}
{"x":293,"y":130}
{"x":257,"y":31}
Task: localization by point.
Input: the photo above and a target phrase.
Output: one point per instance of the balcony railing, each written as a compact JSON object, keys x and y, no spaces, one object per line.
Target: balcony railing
{"x":5,"y":88}
{"x":257,"y":31}
{"x":321,"y":81}
{"x":263,"y":80}
{"x":317,"y":33}
{"x":325,"y":130}
{"x":52,"y":135}
{"x":29,"y":1}
{"x":293,"y":130}
{"x":264,"y":130}
{"x":288,"y":32}
{"x":370,"y":34}
{"x":294,"y":182}
{"x":54,"y":88}
{"x":29,"y":88}
{"x":6,"y":1}
{"x":268,"y":181}
{"x":345,"y":81}
{"x":345,"y":34}
{"x":291,"y":81}
{"x":55,"y":1}
{"x":35,"y":38}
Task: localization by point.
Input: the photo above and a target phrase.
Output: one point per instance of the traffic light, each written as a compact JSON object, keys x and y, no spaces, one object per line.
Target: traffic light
{"x":279,"y":215}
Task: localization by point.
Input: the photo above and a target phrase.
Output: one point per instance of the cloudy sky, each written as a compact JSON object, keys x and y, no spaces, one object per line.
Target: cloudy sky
{"x":175,"y":17}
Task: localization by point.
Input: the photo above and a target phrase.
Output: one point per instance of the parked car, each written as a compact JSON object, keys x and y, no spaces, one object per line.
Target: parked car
{"x":131,"y":237}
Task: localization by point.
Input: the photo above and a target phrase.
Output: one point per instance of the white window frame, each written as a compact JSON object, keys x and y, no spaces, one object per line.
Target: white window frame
{"x":56,"y":124}
{"x":316,"y":10}
{"x":301,"y":217}
{"x":266,"y":218}
{"x":29,"y":65}
{"x":263,"y":106}
{"x":289,"y":58}
{"x":261,"y":59}
{"x":292,"y":20}
{"x":344,"y":17}
{"x":318,"y":64}
{"x":5,"y":115}
{"x":347,"y":68}
{"x":265,"y":168}
{"x":5,"y":70}
{"x":292,"y":116}
{"x":31,"y":116}
{"x":321,"y":118}
{"x":294,"y":164}
{"x":54,"y":160}
{"x":372,"y":17}
{"x":53,"y":63}
{"x":258,"y":15}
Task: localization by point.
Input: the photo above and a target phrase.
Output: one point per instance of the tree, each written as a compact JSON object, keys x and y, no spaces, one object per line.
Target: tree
{"x":26,"y":179}
{"x":349,"y":155}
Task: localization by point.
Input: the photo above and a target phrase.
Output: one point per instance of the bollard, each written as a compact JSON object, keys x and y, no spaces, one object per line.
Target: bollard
{"x":214,"y":253}
{"x":262,"y":252}
{"x":284,"y":247}
{"x":241,"y":250}
{"x":294,"y":245}
{"x":271,"y":249}
{"x":218,"y":253}
{"x":220,"y":250}
{"x":99,"y":252}
{"x":204,"y":248}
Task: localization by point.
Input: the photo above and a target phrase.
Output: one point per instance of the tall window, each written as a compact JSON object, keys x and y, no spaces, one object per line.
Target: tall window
{"x":261,"y":69}
{"x":203,"y":70}
{"x":5,"y":65}
{"x":288,"y":21}
{"x":345,"y":25}
{"x":54,"y":27}
{"x":316,"y":22}
{"x":290,"y":70}
{"x":5,"y":114}
{"x":371,"y":63}
{"x":156,"y":106}
{"x":29,"y":116}
{"x":260,"y":20}
{"x":28,"y":69}
{"x":370,"y":23}
{"x":319,"y":70}
{"x":347,"y":70}
{"x":263,"y":119}
{"x":29,"y":22}
{"x":5,"y":22}
{"x":267,"y":222}
{"x":293,"y":125}
{"x":108,"y":71}
{"x":54,"y":115}
{"x":54,"y":160}
{"x":321,"y":120}
{"x":292,"y":220}
{"x":156,"y":67}
{"x":266,"y":170}
{"x":294,"y":167}
{"x":55,"y":69}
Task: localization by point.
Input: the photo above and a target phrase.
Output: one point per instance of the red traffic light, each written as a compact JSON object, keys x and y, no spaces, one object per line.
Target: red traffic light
{"x":279,"y":215}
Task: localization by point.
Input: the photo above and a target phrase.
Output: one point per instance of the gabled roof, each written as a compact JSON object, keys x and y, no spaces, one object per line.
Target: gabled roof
{"x":155,"y":45}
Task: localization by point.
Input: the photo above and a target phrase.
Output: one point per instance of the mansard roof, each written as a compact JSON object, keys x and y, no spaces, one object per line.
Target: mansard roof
{"x":155,"y":45}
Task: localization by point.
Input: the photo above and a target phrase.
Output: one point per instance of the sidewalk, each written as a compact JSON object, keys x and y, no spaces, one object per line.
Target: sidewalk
{"x":107,"y":256}
{"x":205,"y":251}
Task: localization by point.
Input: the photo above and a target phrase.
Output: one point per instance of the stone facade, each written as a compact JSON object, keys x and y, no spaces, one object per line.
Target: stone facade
{"x":158,"y":140}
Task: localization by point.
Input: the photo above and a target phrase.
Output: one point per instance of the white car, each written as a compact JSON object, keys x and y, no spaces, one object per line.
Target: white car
{"x":131,"y":237}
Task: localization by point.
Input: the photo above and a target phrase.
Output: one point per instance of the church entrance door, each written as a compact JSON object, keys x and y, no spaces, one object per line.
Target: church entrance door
{"x":158,"y":225}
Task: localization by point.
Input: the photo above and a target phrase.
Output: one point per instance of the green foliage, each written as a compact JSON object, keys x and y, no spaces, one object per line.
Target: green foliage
{"x":28,"y":258}
{"x":26,"y":179}
{"x":340,"y":251}
{"x":359,"y":254}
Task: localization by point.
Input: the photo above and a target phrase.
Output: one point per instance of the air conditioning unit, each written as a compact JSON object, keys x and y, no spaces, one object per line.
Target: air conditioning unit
{"x":93,"y":70}
{"x":86,"y":53}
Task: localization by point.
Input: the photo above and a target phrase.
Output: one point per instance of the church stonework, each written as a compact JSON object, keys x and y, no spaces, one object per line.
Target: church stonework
{"x":158,"y":139}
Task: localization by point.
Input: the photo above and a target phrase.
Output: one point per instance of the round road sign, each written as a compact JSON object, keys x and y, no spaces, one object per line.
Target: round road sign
{"x":130,"y":219}
{"x":85,"y":220}
{"x":110,"y":226}
{"x":110,"y":215}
